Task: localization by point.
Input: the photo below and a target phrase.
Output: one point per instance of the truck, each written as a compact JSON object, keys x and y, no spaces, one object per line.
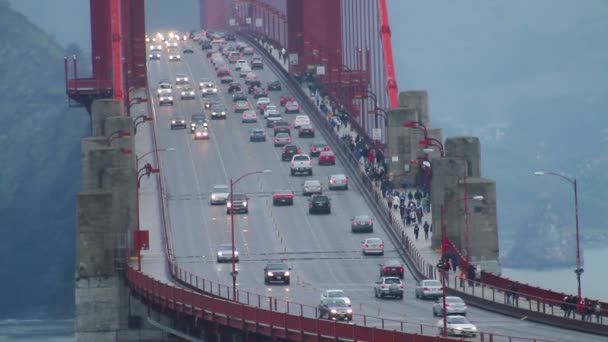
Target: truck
{"x":301,"y":163}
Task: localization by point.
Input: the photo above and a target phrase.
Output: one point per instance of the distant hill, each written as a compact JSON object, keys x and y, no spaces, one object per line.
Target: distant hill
{"x":40,"y":173}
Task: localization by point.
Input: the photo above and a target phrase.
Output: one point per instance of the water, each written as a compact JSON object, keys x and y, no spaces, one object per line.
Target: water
{"x":593,"y":280}
{"x":37,"y":330}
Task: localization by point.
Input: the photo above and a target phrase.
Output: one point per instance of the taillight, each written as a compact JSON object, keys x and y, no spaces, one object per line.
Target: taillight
{"x":366,"y":245}
{"x":381,"y":245}
{"x":312,"y":130}
{"x":289,"y":139}
{"x":293,"y":164}
{"x":401,"y":269}
{"x":369,"y":222}
{"x":383,"y":286}
{"x":276,"y":139}
{"x":299,"y":150}
{"x":356,"y":222}
{"x":401,"y":285}
{"x":284,"y":151}
{"x":386,"y":269}
{"x":310,"y":162}
{"x":425,"y":288}
{"x":344,"y":180}
{"x":301,"y":131}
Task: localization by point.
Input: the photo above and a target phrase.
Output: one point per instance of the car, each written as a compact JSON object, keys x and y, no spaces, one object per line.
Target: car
{"x":154,"y":56}
{"x":392,"y":268}
{"x":276,"y":272}
{"x":188,"y":94}
{"x":234,"y":87}
{"x":218,"y":111}
{"x":288,"y":151}
{"x":223,"y":71}
{"x":226,"y":79}
{"x":337,"y":182}
{"x":248,"y":51}
{"x":306,"y":131}
{"x":389,"y":286}
{"x":211,"y":101}
{"x":455,"y":305}
{"x":224,"y":253}
{"x":239,"y":64}
{"x":286,"y":98}
{"x":178,"y":123}
{"x":336,"y":294}
{"x":282,"y":139}
{"x":156,"y":47}
{"x":245,"y":69}
{"x":262,"y":102}
{"x":219,"y":194}
{"x":165,"y":99}
{"x":317,"y":148}
{"x":282,"y":127}
{"x":250,"y":77}
{"x":239,"y":96}
{"x":257,"y":134}
{"x":175,"y":57}
{"x":234,"y":57}
{"x":182,"y":79}
{"x":372,"y":246}
{"x":171,"y":44}
{"x":201,"y":133}
{"x":327,"y":158}
{"x":206,"y":45}
{"x":239,"y":204}
{"x":362,"y":223}
{"x":188,"y":49}
{"x":319,"y":204}
{"x":335,"y":309}
{"x":198,"y":120}
{"x":272,"y":118}
{"x":283,"y":197}
{"x":458,"y":326}
{"x":292,"y":107}
{"x":301,"y":163}
{"x":249,"y":116}
{"x":429,"y":288}
{"x":274,"y":85}
{"x":270,"y":108}
{"x":241,"y":106}
{"x":164,"y":87}
{"x":207,"y":88}
{"x":311,"y":187}
{"x":257,"y":64}
{"x":301,"y":120}
{"x":255,"y":57}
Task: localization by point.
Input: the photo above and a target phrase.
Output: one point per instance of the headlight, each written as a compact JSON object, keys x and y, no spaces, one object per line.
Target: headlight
{"x":205,"y":124}
{"x":333,"y":311}
{"x":219,"y":253}
{"x":183,"y":93}
{"x":228,"y":204}
{"x":170,"y":98}
{"x":223,"y":113}
{"x":193,"y":124}
{"x":269,"y":274}
{"x":215,"y":90}
{"x":213,"y":196}
{"x":287,"y":273}
{"x":349,"y":311}
{"x":172,"y":121}
{"x":245,"y":203}
{"x":236,"y":252}
{"x":205,"y":133}
{"x":347,"y":301}
{"x":198,"y":134}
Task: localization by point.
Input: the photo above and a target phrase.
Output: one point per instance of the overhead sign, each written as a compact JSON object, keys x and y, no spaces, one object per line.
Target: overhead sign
{"x":293,"y":59}
{"x":259,"y":22}
{"x":248,"y":20}
{"x":376,"y":133}
{"x":320,"y":69}
{"x":232,"y":22}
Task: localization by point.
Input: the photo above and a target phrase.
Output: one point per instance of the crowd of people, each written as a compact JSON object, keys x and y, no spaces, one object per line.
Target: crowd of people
{"x":586,"y":308}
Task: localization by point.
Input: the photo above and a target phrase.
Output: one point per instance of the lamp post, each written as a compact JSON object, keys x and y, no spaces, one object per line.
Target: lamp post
{"x":444,"y":247}
{"x":427,"y":141}
{"x":149,"y":170}
{"x":116,"y":135}
{"x":578,"y":271}
{"x":234,"y":272}
{"x":139,"y":120}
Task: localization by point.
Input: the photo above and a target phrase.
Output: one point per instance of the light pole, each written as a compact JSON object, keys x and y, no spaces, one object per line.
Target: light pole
{"x":427,"y":141}
{"x":149,"y":170}
{"x":444,"y":247}
{"x":578,"y":271}
{"x":116,"y":135}
{"x":234,"y":272}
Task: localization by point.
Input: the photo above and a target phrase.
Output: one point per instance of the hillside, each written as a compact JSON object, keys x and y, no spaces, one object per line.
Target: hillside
{"x":40,"y":173}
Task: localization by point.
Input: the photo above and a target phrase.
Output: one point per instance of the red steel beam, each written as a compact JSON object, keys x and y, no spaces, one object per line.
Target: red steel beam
{"x":116,"y":51}
{"x":385,"y":32}
{"x":101,"y":43}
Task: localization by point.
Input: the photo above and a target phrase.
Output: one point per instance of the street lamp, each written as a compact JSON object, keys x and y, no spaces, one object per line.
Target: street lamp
{"x":578,"y":271}
{"x":139,"y":120}
{"x":116,"y":135}
{"x":149,"y":170}
{"x":444,"y":247}
{"x":234,"y":272}
{"x":427,"y":141}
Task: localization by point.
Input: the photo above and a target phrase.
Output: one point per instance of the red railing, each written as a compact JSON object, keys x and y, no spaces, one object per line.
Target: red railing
{"x":88,"y":86}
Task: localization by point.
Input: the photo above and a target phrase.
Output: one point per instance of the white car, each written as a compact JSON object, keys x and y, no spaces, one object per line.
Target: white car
{"x":458,"y":326}
{"x":156,"y":47}
{"x":262,"y":102}
{"x":219,"y":194}
{"x":270,"y":109}
{"x":188,"y":94}
{"x":224,"y":253}
{"x":372,"y":246}
{"x":272,"y":118}
{"x":429,"y":288}
{"x":175,"y":57}
{"x":300,"y":121}
{"x":154,"y":56}
{"x":181,"y":79}
{"x":240,"y":63}
{"x":249,"y":116}
{"x":245,"y":70}
{"x":335,"y":294}
{"x":164,"y":88}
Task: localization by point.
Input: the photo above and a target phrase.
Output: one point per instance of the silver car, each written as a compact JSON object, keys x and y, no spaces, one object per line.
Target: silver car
{"x":338,"y":182}
{"x":335,"y":294}
{"x":311,"y":187}
{"x":455,"y":305}
{"x":224,"y":253}
{"x":372,"y":246}
{"x":389,"y":286}
{"x":282,"y":139}
{"x":458,"y":325}
{"x":428,"y":288}
{"x":219,"y":194}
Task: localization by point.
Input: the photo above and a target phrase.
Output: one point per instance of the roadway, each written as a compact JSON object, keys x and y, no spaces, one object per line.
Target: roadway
{"x":320,"y":248}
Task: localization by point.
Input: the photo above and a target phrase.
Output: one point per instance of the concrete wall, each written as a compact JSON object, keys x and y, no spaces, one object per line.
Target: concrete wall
{"x":468,"y":148}
{"x":444,"y":188}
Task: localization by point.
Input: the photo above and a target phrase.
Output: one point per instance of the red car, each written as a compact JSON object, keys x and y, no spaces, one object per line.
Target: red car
{"x":286,"y":98}
{"x":327,"y":157}
{"x":317,"y":148}
{"x":283,"y":197}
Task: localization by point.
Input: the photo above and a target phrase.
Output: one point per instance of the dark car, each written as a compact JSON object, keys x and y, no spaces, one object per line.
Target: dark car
{"x":234,"y":87}
{"x":206,"y":45}
{"x":222,"y":72}
{"x":198,"y":120}
{"x":288,"y":151}
{"x":282,"y":127}
{"x":257,"y":64}
{"x":259,"y":92}
{"x":362,"y":223}
{"x":188,"y":49}
{"x":276,"y":272}
{"x":274,"y":85}
{"x":317,"y":148}
{"x":319,"y":204}
{"x":335,"y":309}
{"x":283,"y":197}
{"x":239,"y":96}
{"x":178,"y":123}
{"x":257,"y":134}
{"x":226,"y":79}
{"x":306,"y":131}
{"x":239,"y":204}
{"x":392,"y":268}
{"x":218,"y":111}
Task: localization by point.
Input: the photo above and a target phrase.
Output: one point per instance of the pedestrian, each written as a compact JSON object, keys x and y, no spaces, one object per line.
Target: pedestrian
{"x":402,"y":211}
{"x":426,"y":203}
{"x":507,"y":299}
{"x":408,"y":221}
{"x":426,"y":230}
{"x":410,"y":196}
{"x":461,"y":276}
{"x":396,"y":202}
{"x":597,"y":308}
{"x":413,"y":216}
{"x":471,"y":274}
{"x":515,"y":294}
{"x":565,"y":306}
{"x":589,"y":310}
{"x":478,"y":274}
{"x":418,"y":197}
{"x":419,"y":215}
{"x":389,"y":200}
{"x":416,"y":231}
{"x":583,"y":309}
